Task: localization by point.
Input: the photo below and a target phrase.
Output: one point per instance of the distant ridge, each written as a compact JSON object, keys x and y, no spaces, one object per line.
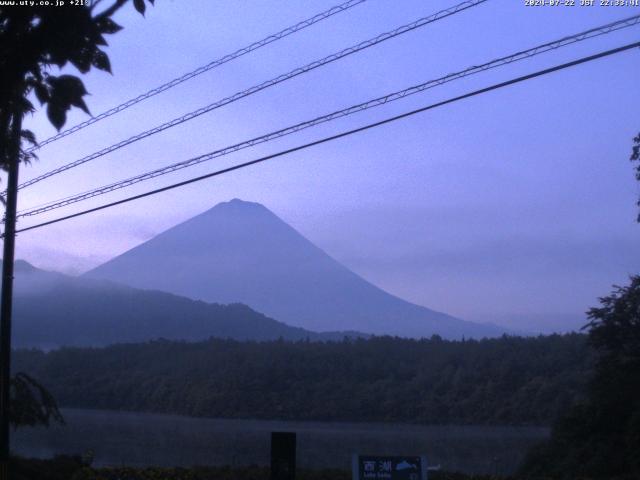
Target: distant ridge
{"x":53,"y":310}
{"x":241,"y":252}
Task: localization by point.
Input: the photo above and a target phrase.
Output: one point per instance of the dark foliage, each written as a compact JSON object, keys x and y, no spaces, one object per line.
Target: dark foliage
{"x":72,"y":468}
{"x":33,"y":40}
{"x":600,"y":437}
{"x":635,"y":157}
{"x":58,"y":468}
{"x":499,"y":381}
{"x":31,"y":403}
{"x":247,"y":473}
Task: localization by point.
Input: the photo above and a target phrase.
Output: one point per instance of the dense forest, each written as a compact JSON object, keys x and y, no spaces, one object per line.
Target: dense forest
{"x":510,"y":380}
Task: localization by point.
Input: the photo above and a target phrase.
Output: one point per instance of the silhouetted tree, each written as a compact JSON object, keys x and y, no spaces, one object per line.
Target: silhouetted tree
{"x":615,"y":388}
{"x":33,"y":41}
{"x":635,"y":157}
{"x":601,"y":436}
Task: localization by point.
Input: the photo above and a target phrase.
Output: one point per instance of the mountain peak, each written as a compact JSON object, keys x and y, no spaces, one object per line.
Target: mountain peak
{"x":238,"y":204}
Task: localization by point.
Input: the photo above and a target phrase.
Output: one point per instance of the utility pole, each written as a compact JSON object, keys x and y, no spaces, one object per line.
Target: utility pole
{"x":13,"y":160}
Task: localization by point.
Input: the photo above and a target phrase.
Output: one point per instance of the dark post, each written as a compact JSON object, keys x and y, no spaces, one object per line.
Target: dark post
{"x":7,"y":292}
{"x":283,"y":456}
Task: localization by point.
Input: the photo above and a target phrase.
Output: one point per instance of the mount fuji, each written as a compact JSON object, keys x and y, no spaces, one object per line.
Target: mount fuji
{"x":241,"y":252}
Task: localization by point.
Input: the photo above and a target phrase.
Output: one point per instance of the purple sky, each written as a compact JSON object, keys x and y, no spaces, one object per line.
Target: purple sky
{"x":515,"y":207}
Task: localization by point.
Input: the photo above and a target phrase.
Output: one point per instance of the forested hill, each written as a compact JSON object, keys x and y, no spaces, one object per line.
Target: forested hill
{"x":509,"y":380}
{"x":52,"y":309}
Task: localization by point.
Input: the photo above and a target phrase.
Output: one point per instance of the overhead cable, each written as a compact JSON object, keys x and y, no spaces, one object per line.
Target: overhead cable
{"x":340,"y":135}
{"x":205,"y":68}
{"x":262,"y":86}
{"x":531,"y":52}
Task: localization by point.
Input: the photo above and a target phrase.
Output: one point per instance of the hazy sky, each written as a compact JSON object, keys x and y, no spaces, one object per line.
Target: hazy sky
{"x":515,"y":207}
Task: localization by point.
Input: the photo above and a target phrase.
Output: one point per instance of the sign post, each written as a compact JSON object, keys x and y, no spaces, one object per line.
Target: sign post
{"x":283,"y":456}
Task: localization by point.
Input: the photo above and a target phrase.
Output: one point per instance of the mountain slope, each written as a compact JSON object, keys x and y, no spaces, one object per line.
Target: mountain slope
{"x":241,"y":252}
{"x":52,"y":309}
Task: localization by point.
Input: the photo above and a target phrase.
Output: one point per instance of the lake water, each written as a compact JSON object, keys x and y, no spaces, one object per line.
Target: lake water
{"x":140,"y":439}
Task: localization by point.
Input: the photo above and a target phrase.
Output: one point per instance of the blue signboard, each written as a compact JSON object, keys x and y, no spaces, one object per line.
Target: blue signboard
{"x":376,"y":467}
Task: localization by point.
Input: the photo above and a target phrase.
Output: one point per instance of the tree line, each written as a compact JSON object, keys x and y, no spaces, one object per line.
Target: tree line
{"x":505,"y":381}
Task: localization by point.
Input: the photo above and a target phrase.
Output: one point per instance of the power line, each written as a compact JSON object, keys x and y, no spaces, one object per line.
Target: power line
{"x":257,"y":88}
{"x":205,"y":68}
{"x":549,"y":46}
{"x":497,"y":86}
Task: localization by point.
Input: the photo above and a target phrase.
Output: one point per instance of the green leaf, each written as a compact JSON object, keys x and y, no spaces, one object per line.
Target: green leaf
{"x":82,"y":61}
{"x":57,"y":114}
{"x":26,"y":106}
{"x":42,"y":93}
{"x":99,"y":40}
{"x":101,"y":61}
{"x":29,"y":136}
{"x":139,"y":6}
{"x":66,"y":86}
{"x":66,"y":91}
{"x":106,"y":25}
{"x":79,"y":102}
